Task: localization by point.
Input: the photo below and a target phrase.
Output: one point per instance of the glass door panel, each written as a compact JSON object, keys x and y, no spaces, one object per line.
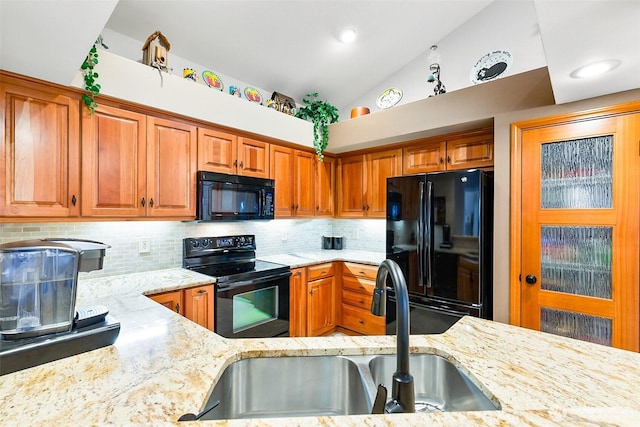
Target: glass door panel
{"x":577,"y":174}
{"x":576,"y":325}
{"x":576,"y":260}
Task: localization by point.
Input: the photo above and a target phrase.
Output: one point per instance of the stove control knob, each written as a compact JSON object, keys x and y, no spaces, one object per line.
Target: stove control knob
{"x":241,"y":240}
{"x":205,"y":243}
{"x":195,"y":243}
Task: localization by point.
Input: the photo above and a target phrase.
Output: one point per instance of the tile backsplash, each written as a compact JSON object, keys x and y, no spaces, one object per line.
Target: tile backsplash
{"x":272,"y":237}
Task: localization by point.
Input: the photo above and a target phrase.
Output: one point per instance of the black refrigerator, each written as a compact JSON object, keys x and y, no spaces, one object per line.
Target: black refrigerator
{"x":440,"y":232}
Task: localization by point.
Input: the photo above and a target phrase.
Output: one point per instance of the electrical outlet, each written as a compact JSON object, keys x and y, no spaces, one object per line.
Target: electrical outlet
{"x":144,"y":245}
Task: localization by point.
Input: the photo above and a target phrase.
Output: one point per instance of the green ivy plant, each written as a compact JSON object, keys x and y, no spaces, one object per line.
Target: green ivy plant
{"x":321,"y":114}
{"x":90,"y":76}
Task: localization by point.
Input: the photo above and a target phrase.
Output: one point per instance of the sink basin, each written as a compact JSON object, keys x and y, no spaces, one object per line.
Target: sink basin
{"x":289,"y":387}
{"x":439,"y":384}
{"x":336,"y":385}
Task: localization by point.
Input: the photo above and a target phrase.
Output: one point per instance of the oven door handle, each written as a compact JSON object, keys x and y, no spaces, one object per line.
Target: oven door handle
{"x":254,"y":281}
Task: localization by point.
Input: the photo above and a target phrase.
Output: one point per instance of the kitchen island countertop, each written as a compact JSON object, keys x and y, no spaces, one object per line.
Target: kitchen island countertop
{"x":163,"y":366}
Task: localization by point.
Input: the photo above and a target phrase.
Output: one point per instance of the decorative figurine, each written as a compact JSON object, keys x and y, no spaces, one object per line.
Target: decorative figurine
{"x":190,"y":74}
{"x":434,"y":68}
{"x":235,"y":91}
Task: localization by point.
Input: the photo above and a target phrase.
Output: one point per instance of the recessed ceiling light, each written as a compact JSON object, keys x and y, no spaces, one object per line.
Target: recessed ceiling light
{"x":594,"y":69}
{"x":348,"y":35}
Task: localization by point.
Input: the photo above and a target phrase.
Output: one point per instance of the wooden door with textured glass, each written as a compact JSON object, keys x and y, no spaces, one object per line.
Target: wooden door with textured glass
{"x":580,"y":214}
{"x":171,"y":168}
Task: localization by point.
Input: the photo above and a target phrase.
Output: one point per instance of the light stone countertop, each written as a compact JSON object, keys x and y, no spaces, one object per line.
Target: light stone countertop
{"x":303,"y":259}
{"x":163,"y":366}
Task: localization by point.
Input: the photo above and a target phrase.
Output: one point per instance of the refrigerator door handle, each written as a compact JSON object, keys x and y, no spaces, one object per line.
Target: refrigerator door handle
{"x":421,"y":237}
{"x":429,"y":231}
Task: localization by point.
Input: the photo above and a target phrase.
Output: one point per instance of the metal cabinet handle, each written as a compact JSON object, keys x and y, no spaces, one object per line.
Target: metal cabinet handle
{"x":178,"y":308}
{"x":202,"y":291}
{"x":441,"y":160}
{"x":242,"y":165}
{"x":151,"y":202}
{"x":73,"y":200}
{"x":144,"y":202}
{"x":448,"y":159}
{"x":311,"y":292}
{"x":361,"y":322}
{"x":235,"y":163}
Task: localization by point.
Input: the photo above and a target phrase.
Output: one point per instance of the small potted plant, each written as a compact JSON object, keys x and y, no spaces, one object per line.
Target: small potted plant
{"x":321,"y":114}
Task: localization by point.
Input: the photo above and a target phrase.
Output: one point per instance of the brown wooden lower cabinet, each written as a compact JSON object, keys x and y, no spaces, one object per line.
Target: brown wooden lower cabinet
{"x":196,"y":304}
{"x":334,"y":295}
{"x":358,"y":283}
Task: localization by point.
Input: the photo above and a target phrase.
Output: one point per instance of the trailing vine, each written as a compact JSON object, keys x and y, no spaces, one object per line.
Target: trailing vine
{"x":90,"y":76}
{"x":321,"y":114}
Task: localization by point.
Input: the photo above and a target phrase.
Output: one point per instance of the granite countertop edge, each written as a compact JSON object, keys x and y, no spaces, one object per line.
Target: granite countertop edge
{"x":163,"y":365}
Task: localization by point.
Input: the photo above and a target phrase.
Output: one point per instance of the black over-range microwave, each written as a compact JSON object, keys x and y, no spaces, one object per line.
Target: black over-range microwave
{"x":223,"y":197}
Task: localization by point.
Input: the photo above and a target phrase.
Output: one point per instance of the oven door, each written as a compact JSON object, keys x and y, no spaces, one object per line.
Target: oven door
{"x":253,"y":308}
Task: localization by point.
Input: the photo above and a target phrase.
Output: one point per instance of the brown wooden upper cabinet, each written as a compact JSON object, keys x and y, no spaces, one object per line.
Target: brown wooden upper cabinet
{"x":227,"y":153}
{"x":40,"y":153}
{"x":136,"y":165}
{"x":325,"y":185}
{"x":362,"y":180}
{"x":435,"y":154}
{"x":293,"y":172}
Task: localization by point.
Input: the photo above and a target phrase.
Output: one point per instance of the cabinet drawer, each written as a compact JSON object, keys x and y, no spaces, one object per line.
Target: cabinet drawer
{"x":356,"y":284}
{"x":362,"y":321}
{"x":360,"y":270}
{"x":319,"y":271}
{"x":358,"y":300}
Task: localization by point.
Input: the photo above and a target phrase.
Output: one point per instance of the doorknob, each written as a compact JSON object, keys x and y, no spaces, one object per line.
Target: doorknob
{"x":531,"y":279}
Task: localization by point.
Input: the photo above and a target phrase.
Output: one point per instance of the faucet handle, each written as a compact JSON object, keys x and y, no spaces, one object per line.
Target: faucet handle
{"x":381,"y":400}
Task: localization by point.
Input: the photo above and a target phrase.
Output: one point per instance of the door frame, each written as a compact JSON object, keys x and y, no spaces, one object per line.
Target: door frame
{"x":515,"y":211}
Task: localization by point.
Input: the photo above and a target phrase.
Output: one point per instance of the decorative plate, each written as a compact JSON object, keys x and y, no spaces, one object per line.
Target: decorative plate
{"x":253,"y":95}
{"x":491,"y":66}
{"x":212,"y":80}
{"x":389,"y":98}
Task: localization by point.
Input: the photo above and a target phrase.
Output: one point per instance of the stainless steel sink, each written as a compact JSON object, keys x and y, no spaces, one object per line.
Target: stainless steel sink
{"x":439,"y":384}
{"x":336,"y":385}
{"x":289,"y":387}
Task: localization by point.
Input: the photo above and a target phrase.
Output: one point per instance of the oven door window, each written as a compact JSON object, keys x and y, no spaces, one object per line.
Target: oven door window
{"x":230,"y":200}
{"x":254,"y":308}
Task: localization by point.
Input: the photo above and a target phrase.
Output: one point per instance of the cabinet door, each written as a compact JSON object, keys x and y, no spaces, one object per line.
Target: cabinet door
{"x":580,"y":215}
{"x":198,"y":305}
{"x":303,"y":183}
{"x":298,"y":303}
{"x":321,"y":306}
{"x":352,"y":183}
{"x":217,"y":151}
{"x":282,"y":161}
{"x":40,"y":153}
{"x":172,"y":300}
{"x":114,"y":156}
{"x":253,"y":158}
{"x":171,"y":168}
{"x":324,"y":186}
{"x":424,"y":157}
{"x":382,"y":165}
{"x":470,"y":152}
